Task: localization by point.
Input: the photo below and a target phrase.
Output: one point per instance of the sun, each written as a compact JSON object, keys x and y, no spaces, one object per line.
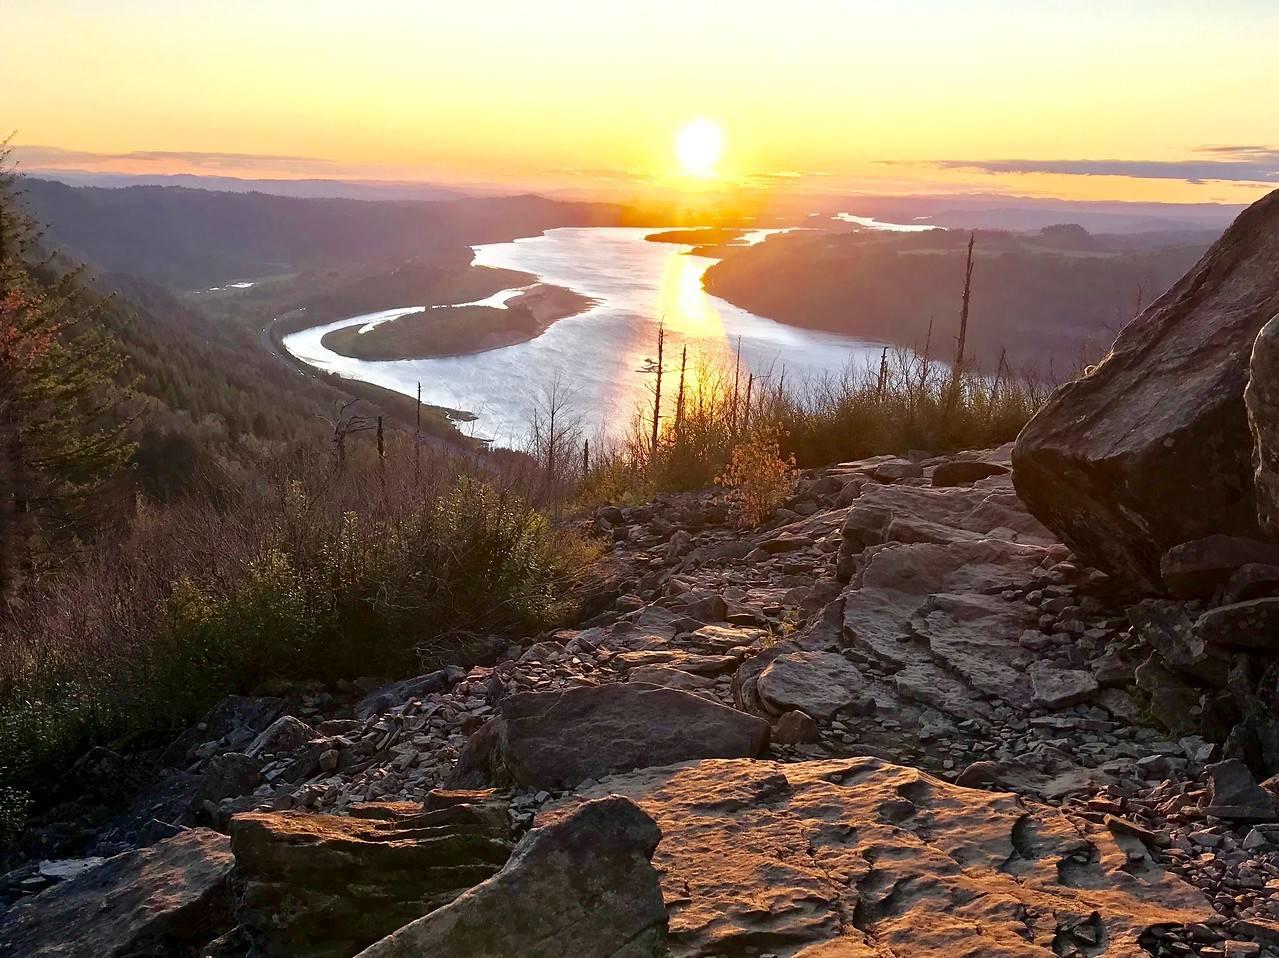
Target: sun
{"x":698,"y":147}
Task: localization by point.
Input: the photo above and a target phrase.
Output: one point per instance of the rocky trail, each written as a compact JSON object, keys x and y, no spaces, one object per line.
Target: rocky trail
{"x":1003,"y":702}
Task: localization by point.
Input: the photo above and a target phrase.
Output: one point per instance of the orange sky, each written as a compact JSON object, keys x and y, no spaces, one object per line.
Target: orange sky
{"x":1115,"y":100}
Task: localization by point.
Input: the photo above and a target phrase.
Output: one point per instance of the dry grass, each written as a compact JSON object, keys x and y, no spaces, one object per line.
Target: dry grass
{"x":909,"y":402}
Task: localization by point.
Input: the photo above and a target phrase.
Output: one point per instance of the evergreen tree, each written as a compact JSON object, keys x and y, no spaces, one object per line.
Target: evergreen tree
{"x":62,"y":439}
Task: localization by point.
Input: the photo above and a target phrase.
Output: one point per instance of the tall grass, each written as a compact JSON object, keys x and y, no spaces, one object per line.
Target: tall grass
{"x":909,"y":402}
{"x":314,"y":571}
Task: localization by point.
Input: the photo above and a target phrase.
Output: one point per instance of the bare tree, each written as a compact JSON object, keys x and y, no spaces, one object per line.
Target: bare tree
{"x":658,"y":369}
{"x":737,"y":378}
{"x":555,"y":430}
{"x":679,"y":396}
{"x":343,"y":424}
{"x":957,"y":371}
{"x":417,"y":440}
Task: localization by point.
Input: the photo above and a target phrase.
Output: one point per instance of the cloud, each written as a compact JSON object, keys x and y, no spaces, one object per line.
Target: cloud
{"x":55,"y":156}
{"x":1239,"y":164}
{"x":1253,"y":150}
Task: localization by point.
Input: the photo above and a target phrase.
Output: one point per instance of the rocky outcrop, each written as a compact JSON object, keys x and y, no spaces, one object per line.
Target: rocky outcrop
{"x":1152,"y":447}
{"x":880,"y":612}
{"x":581,"y":887}
{"x":989,"y":509}
{"x":970,"y":643}
{"x":556,"y":740}
{"x":862,"y":857}
{"x":322,"y":886}
{"x":164,"y":900}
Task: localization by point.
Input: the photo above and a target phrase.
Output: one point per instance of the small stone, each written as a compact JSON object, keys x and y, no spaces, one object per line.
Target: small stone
{"x":1241,"y":949}
{"x":1059,"y":688}
{"x":1205,"y":839}
{"x":795,"y":728}
{"x":1034,"y":640}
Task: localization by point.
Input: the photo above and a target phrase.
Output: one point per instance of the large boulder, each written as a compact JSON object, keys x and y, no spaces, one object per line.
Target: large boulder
{"x":1262,"y":399}
{"x":582,"y":887}
{"x":859,"y":857}
{"x":323,"y":886}
{"x":167,"y":899}
{"x":818,"y":683}
{"x":1152,"y":448}
{"x":555,"y":740}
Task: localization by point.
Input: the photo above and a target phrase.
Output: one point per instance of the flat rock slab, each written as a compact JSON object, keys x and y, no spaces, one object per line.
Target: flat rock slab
{"x":675,"y":659}
{"x":582,"y":887}
{"x":670,"y":678}
{"x":962,"y":472}
{"x":916,"y":514}
{"x":818,"y":683}
{"x":859,"y":857}
{"x":881,"y":613}
{"x":555,"y":740}
{"x":168,"y":898}
{"x":785,"y":543}
{"x":975,"y":637}
{"x":722,"y":638}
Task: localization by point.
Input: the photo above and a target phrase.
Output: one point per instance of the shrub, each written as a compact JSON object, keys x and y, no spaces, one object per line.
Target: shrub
{"x":319,"y":572}
{"x":761,"y":478}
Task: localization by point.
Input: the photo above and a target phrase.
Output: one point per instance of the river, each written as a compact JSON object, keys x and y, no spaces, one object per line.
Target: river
{"x":598,"y":353}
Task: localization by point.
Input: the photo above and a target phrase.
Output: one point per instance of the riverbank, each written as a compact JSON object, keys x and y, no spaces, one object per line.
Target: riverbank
{"x":441,"y":331}
{"x":437,"y":424}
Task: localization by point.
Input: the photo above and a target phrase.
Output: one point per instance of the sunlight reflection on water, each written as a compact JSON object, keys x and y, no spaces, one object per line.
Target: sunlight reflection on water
{"x":636,"y":283}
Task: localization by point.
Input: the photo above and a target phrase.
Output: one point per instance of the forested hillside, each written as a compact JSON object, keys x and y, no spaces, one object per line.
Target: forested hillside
{"x":1050,"y":299}
{"x":189,"y":239}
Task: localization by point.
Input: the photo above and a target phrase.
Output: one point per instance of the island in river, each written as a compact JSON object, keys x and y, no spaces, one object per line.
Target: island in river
{"x":699,"y":236}
{"x":443,"y":330}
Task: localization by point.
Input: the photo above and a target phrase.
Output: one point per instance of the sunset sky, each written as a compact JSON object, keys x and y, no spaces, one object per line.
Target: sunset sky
{"x":1125,"y":99}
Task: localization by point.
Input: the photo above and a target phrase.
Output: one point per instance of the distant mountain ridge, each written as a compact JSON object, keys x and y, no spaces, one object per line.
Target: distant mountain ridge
{"x":308,"y":188}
